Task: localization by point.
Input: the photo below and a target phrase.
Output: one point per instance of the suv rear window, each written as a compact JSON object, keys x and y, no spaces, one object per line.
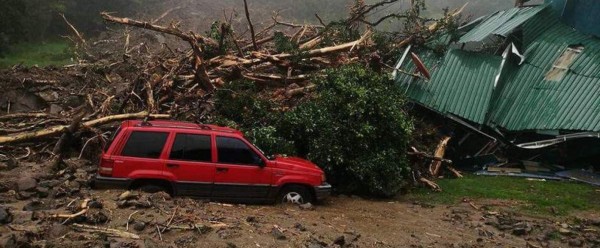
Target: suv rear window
{"x":234,"y":151}
{"x":145,"y":144}
{"x":191,"y":147}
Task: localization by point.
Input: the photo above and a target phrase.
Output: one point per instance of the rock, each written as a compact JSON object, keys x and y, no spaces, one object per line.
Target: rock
{"x":226,"y":233}
{"x":49,"y":96}
{"x":59,"y":193}
{"x":74,"y":101}
{"x":8,"y":241}
{"x":277,"y":233}
{"x":139,"y":226}
{"x":9,"y":164}
{"x":341,"y":240}
{"x":24,"y":195}
{"x":21,"y":217}
{"x":251,"y":219}
{"x":300,"y":227}
{"x":73,"y":185}
{"x":57,"y":231}
{"x":26,"y":184}
{"x":315,"y":243}
{"x":306,"y":206}
{"x":576,"y":243}
{"x":144,"y":202}
{"x":123,"y":204}
{"x":55,"y":109}
{"x":95,"y":204}
{"x":48,"y":183}
{"x":34,"y":206}
{"x":127,"y":195}
{"x":5,"y":216}
{"x":352,"y":236}
{"x":97,"y":218}
{"x":521,"y":228}
{"x":42,"y":192}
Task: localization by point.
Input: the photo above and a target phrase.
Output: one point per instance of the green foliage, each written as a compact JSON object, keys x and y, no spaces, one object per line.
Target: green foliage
{"x":238,"y":102}
{"x":239,"y":107}
{"x":354,"y":128}
{"x":537,"y":198}
{"x":283,"y":44}
{"x":268,"y":139}
{"x":40,"y":54}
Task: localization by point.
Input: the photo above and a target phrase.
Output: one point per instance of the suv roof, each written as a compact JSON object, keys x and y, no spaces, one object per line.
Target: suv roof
{"x":179,"y":125}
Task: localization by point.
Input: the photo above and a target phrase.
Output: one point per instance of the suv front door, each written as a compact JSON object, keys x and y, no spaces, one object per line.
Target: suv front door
{"x":190,"y":162}
{"x":238,"y":172}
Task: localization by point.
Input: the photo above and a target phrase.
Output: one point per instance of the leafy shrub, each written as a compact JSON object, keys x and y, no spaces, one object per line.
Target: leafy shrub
{"x":354,"y":128}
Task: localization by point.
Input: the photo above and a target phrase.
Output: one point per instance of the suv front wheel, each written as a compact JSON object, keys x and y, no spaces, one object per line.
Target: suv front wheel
{"x":295,"y":194}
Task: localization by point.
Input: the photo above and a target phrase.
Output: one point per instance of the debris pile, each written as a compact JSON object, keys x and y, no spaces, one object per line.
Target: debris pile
{"x":52,"y":113}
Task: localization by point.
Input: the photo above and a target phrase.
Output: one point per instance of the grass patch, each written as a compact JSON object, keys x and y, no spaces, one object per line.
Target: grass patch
{"x":536,"y":198}
{"x":40,"y":54}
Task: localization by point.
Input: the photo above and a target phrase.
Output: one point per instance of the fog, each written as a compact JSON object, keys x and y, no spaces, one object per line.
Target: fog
{"x":39,"y":20}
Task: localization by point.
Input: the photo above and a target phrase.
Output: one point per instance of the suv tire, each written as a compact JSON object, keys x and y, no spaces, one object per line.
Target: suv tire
{"x":151,"y":188}
{"x":295,"y":194}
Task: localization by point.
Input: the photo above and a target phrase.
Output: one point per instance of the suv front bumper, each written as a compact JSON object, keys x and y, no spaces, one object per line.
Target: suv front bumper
{"x":322,"y":191}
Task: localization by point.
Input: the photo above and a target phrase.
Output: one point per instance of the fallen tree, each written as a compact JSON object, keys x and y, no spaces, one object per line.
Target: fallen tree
{"x":88,"y":124}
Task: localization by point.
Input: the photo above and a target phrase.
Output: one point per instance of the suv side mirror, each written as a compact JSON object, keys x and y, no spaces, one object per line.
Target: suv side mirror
{"x":259,"y":161}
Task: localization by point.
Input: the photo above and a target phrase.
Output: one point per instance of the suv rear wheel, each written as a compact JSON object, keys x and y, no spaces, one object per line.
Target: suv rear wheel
{"x":295,"y":194}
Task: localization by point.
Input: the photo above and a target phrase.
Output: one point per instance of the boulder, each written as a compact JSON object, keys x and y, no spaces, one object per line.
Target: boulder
{"x":278,"y":234}
{"x":5,"y":216}
{"x":139,"y":226}
{"x":26,"y":184}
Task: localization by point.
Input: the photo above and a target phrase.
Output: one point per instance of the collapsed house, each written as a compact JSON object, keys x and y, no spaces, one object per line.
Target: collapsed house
{"x":521,"y":82}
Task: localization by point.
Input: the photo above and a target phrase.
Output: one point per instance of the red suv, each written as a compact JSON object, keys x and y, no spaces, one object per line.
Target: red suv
{"x":204,"y":161}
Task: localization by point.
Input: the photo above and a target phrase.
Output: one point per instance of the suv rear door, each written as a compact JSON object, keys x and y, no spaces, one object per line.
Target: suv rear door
{"x":140,"y":156}
{"x":190,"y":162}
{"x":238,"y":170}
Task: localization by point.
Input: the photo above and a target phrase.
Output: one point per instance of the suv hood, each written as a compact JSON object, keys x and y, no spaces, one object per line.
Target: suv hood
{"x":295,"y":163}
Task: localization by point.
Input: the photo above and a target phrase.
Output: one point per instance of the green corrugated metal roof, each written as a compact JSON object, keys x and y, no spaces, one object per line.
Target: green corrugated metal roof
{"x":461,"y":84}
{"x":501,"y":23}
{"x":526,"y":101}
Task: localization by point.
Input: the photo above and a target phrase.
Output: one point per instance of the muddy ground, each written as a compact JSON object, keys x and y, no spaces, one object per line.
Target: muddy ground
{"x":30,"y":196}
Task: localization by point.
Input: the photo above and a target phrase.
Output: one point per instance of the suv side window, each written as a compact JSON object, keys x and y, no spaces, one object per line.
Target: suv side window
{"x":145,"y":144}
{"x":235,"y":151}
{"x":191,"y":147}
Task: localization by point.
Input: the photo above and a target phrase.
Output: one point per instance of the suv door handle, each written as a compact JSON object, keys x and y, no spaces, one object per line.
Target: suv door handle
{"x":222,"y":170}
{"x":172,"y":165}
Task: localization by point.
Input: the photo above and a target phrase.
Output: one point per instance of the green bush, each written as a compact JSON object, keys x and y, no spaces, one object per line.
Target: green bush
{"x":354,"y":128}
